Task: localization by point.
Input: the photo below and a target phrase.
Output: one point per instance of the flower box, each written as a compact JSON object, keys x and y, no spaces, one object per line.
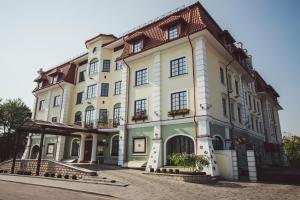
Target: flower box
{"x":182,"y":112}
{"x":139,"y":117}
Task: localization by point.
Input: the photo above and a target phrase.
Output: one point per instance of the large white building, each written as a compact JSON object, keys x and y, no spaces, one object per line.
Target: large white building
{"x":178,"y":84}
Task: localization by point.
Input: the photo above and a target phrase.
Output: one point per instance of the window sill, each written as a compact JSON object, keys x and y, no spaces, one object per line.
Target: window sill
{"x":139,"y":154}
{"x":143,"y":85}
{"x":178,"y":76}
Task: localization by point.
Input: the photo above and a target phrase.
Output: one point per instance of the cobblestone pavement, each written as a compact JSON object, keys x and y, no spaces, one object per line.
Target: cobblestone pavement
{"x":18,"y":191}
{"x":155,"y":187}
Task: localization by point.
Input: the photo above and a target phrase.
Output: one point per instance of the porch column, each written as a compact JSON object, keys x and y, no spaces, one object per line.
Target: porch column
{"x":38,"y":166}
{"x":82,"y":147}
{"x":26,"y":153}
{"x":94,"y":148}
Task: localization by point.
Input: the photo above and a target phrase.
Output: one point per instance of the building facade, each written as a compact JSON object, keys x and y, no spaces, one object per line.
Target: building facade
{"x":177,"y":84}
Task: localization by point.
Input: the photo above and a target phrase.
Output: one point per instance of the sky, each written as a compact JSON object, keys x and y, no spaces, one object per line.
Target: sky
{"x":38,"y":33}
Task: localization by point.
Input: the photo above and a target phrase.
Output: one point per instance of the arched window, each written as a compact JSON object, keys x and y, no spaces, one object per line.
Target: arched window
{"x":34,"y":152}
{"x":115,"y":145}
{"x":89,"y":116}
{"x":75,"y":147}
{"x":94,"y":65}
{"x":218,"y":143}
{"x":179,"y":144}
{"x":116,"y":117}
{"x":78,"y":117}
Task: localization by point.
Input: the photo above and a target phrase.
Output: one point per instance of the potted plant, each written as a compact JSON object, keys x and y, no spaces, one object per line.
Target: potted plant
{"x":46,"y":174}
{"x":66,"y":176}
{"x":74,"y":177}
{"x":59,"y":176}
{"x":158,"y":170}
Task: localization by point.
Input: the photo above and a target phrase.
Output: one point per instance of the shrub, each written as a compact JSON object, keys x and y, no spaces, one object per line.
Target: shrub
{"x":171,"y":171}
{"x":52,"y":175}
{"x":19,"y":172}
{"x":112,"y":181}
{"x":164,"y":170}
{"x":1,"y":171}
{"x":59,"y":176}
{"x":158,"y":170}
{"x":74,"y":177}
{"x":47,"y":174}
{"x":28,"y":173}
{"x":176,"y":171}
{"x":5,"y":171}
{"x":151,"y":169}
{"x":192,"y":161}
{"x":66,"y":176}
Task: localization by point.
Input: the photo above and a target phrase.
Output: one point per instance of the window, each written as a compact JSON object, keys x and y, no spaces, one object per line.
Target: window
{"x":140,"y":107}
{"x":232,"y":111}
{"x":254,"y":104}
{"x":81,"y":76}
{"x":139,"y":145}
{"x":93,"y":68}
{"x":229,"y":82}
{"x":178,"y":67}
{"x":246,"y":98}
{"x":118,"y":88}
{"x":54,"y":119}
{"x":56,"y":101}
{"x":91,"y":91}
{"x":94,"y":49}
{"x":239,"y":114}
{"x":141,"y":77}
{"x":137,"y":46}
{"x":42,"y":105}
{"x":103,"y":116}
{"x":224,"y":106}
{"x":256,"y":124}
{"x":237,"y":87}
{"x":116,"y":116}
{"x":50,"y":148}
{"x":172,"y":33}
{"x":75,"y":147}
{"x":250,"y":102}
{"x":119,"y":66}
{"x":78,"y":115}
{"x":40,"y":84}
{"x":222,"y":75}
{"x":258,"y":109}
{"x":252,"y":123}
{"x":106,"y":66}
{"x":104,"y":89}
{"x":115,"y":146}
{"x":79,"y":98}
{"x":89,"y":116}
{"x":260,"y":127}
{"x":55,"y":79}
{"x":217,"y":143}
{"x":179,"y":100}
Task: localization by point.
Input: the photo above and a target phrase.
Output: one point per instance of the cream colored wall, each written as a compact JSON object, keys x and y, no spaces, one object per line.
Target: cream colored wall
{"x":55,"y":111}
{"x":175,"y":84}
{"x":40,"y":115}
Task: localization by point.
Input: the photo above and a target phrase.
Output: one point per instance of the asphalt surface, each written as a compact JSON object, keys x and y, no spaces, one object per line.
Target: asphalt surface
{"x":18,"y":191}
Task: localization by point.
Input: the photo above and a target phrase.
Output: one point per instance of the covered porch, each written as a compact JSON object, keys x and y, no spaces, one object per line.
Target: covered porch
{"x":87,"y":139}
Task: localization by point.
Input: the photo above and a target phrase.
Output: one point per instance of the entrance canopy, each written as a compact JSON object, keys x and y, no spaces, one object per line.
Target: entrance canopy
{"x":53,"y":128}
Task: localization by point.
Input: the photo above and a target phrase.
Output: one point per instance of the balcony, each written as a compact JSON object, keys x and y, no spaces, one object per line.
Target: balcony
{"x":100,"y":124}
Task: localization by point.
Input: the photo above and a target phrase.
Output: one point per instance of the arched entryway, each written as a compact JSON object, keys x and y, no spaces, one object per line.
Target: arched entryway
{"x":179,"y":144}
{"x":75,"y":144}
{"x":34,"y":152}
{"x":218,"y":143}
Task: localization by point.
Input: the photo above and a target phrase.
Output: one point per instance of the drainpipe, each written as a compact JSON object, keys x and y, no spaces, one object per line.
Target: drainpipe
{"x":194,"y":89}
{"x":229,"y":106}
{"x":33,"y":117}
{"x":126,"y":106}
{"x":62,"y":98}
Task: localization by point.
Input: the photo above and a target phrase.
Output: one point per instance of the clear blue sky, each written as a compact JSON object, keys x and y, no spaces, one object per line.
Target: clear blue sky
{"x":35,"y":34}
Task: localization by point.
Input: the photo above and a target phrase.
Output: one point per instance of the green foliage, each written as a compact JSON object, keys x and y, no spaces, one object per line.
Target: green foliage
{"x":291,"y":145}
{"x":192,"y":161}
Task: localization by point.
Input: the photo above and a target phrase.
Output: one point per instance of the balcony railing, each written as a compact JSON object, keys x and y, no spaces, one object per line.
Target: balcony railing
{"x":99,"y":124}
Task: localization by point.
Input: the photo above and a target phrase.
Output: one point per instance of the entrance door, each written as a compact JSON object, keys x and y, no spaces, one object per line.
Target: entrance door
{"x":88,"y":150}
{"x":179,"y":144}
{"x":241,"y":150}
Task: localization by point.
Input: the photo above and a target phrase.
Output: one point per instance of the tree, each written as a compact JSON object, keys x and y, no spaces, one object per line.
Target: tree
{"x":291,"y":145}
{"x":13,"y":112}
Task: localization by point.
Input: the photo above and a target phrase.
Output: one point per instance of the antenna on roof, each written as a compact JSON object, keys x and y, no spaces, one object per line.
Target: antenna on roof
{"x":156,"y":19}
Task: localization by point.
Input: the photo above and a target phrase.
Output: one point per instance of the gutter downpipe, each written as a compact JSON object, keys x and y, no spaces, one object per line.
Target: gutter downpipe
{"x":194,"y":89}
{"x":126,"y":106}
{"x":229,"y":107}
{"x":33,"y":117}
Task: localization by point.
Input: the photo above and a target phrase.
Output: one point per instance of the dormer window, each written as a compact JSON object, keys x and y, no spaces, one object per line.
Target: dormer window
{"x":172,"y":33}
{"x":40,"y":84}
{"x":55,"y":79}
{"x":137,"y":46}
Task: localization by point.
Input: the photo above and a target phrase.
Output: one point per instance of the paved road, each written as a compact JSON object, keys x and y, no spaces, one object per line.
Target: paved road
{"x":17,"y":191}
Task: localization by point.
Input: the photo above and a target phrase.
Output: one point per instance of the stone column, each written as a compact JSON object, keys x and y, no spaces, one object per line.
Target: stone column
{"x":82,"y":147}
{"x":122,"y":151}
{"x":28,"y":146}
{"x":94,"y":148}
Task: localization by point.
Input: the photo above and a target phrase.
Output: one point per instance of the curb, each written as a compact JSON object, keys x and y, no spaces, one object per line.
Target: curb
{"x":69,"y":189}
